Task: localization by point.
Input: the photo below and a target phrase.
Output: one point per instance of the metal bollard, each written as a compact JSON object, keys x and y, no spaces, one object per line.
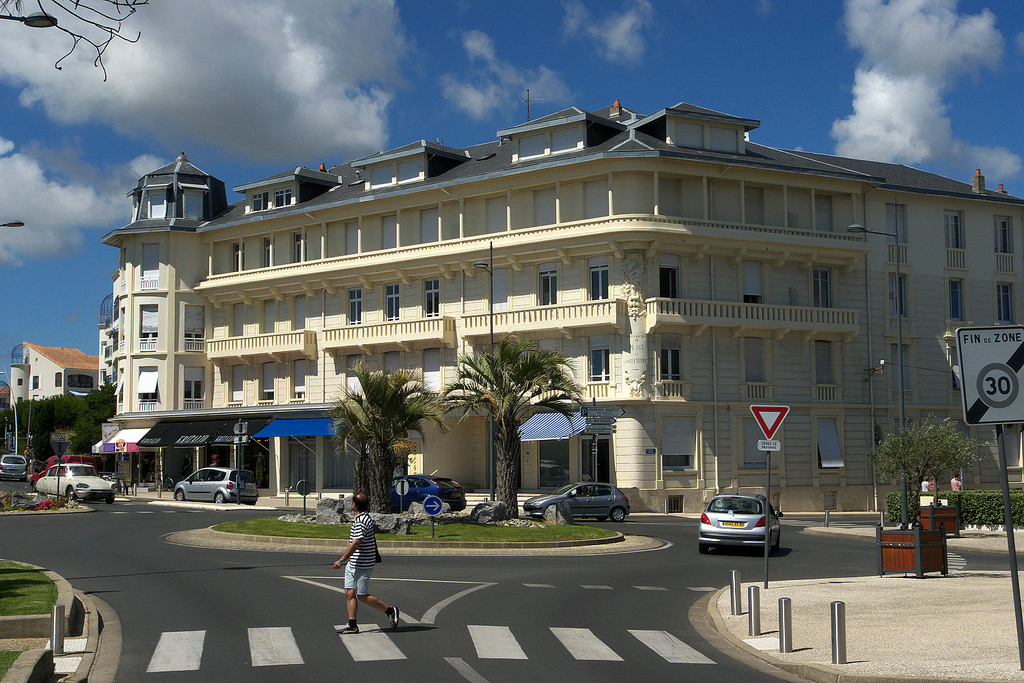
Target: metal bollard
{"x":734,"y":593}
{"x":785,"y":625}
{"x":57,"y":629}
{"x":754,"y":610}
{"x":286,"y":492}
{"x":838,"y":632}
{"x":826,"y":518}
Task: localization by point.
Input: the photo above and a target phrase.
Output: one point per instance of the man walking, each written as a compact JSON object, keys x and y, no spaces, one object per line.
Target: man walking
{"x":361,"y":555}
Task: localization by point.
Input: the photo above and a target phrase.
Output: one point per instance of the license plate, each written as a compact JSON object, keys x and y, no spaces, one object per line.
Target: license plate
{"x":735,"y":524}
{"x":456,"y":495}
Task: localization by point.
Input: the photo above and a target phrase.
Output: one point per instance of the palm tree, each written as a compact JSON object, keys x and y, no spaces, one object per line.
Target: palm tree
{"x":379,"y":418}
{"x":507,"y":382}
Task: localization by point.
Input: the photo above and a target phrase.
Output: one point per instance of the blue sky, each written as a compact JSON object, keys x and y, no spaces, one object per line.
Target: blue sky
{"x":248,"y":88}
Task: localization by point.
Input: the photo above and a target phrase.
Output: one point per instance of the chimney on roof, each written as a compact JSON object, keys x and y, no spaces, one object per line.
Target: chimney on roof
{"x":1001,"y":188}
{"x":978,"y":182}
{"x":616,"y":110}
{"x":323,"y":168}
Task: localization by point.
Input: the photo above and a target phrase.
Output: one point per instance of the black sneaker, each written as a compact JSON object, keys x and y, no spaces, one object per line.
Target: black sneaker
{"x":393,"y":616}
{"x":347,"y":629}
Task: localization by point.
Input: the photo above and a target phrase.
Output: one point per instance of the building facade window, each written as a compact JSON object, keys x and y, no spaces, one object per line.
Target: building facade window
{"x":282,"y":197}
{"x":389,"y":232}
{"x":35,"y":382}
{"x":193,"y":390}
{"x":392,"y":302}
{"x":954,"y":233}
{"x":678,"y":442}
{"x":821,"y":283}
{"x":1004,"y":303}
{"x":896,"y":222}
{"x":432,"y":369}
{"x":150,"y":266}
{"x":753,"y":457}
{"x":1004,"y":240}
{"x":753,"y":282}
{"x":355,"y":307}
{"x":269,"y":377}
{"x":237,"y":257}
{"x":148,"y":327}
{"x":822,"y":213}
{"x":898,"y":295}
{"x":238,"y":320}
{"x":261,"y":201}
{"x":269,"y":322}
{"x":823,"y":362}
{"x":237,"y":383}
{"x":429,"y":226}
{"x":548,"y":291}
{"x":671,"y":369}
{"x":598,"y":279}
{"x":956,"y":299}
{"x":268,"y":252}
{"x":431,"y":298}
{"x":299,"y":379}
{"x":668,"y":277}
{"x":298,"y":248}
{"x":600,"y":358}
{"x":753,"y":359}
{"x":58,"y":379}
{"x":500,"y":289}
{"x":195,"y":328}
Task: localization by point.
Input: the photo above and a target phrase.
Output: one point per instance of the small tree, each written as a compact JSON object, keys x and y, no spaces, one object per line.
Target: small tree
{"x":378,"y":417}
{"x":926,"y":450}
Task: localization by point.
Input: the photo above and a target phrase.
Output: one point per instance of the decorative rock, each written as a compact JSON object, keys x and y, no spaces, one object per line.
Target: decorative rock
{"x":489,"y":512}
{"x":417,"y":508}
{"x":330,"y":511}
{"x":22,"y":502}
{"x":558,"y":513}
{"x":391,"y":524}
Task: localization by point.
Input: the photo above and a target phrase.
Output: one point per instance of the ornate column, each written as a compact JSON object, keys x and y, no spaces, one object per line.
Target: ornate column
{"x":634,"y":347}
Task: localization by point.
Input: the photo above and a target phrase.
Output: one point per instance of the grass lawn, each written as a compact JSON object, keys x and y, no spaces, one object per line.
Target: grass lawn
{"x":7,"y":658}
{"x":24,"y":590}
{"x":460,"y":531}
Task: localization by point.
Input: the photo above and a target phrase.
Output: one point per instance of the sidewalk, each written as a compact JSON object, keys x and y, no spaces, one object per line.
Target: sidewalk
{"x":958,"y":627}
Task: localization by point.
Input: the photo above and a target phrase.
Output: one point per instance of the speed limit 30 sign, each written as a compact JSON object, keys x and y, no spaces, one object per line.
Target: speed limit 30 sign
{"x":991,"y":359}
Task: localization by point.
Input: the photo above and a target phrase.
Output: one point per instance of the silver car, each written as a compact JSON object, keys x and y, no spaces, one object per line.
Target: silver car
{"x":585,"y":499}
{"x":737,"y":519}
{"x":219,"y":484}
{"x":14,"y":467}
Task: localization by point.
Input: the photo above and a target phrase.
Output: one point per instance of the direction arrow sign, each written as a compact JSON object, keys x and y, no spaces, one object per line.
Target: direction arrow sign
{"x":602,"y":411}
{"x":601,"y":429}
{"x":769,"y":418}
{"x":600,"y":421}
{"x":991,"y":359}
{"x":432,"y":505}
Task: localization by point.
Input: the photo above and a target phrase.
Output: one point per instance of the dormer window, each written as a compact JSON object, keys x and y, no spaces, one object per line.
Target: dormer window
{"x":193,"y":208}
{"x":282,"y":197}
{"x":157,"y":202}
{"x":724,"y":139}
{"x":556,"y":141}
{"x":390,"y":174}
{"x":261,"y":201}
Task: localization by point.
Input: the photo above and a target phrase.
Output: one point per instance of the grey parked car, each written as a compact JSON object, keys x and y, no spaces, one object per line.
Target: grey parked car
{"x":219,"y":484}
{"x":14,"y":467}
{"x":585,"y":499}
{"x":737,"y":519}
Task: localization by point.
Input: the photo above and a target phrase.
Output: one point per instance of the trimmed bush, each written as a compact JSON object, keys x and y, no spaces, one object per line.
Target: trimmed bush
{"x":977,"y":508}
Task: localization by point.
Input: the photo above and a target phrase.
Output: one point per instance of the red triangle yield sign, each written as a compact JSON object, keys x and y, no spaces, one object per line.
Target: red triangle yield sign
{"x":769,"y":418}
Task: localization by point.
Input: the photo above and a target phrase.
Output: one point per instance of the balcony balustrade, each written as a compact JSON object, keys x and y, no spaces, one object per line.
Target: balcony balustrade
{"x":399,"y":334}
{"x":1004,"y":262}
{"x":606,"y":312}
{"x":195,"y":345}
{"x":193,"y":404}
{"x":301,"y":342}
{"x":147,"y":344}
{"x":780,"y":319}
{"x":149,"y":406}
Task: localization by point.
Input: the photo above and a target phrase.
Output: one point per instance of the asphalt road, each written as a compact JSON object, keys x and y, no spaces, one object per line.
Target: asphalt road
{"x":212,"y":615}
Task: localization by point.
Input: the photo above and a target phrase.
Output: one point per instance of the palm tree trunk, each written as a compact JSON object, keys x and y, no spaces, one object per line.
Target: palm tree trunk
{"x":508,"y":451}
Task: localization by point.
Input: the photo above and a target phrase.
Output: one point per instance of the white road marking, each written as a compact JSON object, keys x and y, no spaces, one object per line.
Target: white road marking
{"x":701,"y":589}
{"x":495,"y":642}
{"x":273,"y":647}
{"x":465,"y":670}
{"x":650,"y":588}
{"x":538,"y":585}
{"x":670,"y":648}
{"x":584,"y":645}
{"x":370,"y":644}
{"x":599,"y":587}
{"x":177,"y":651}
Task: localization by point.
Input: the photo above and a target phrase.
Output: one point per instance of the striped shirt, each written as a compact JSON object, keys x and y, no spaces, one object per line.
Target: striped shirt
{"x":366,"y":554}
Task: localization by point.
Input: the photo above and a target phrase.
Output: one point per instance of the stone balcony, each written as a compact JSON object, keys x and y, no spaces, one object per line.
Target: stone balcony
{"x":398,"y":334}
{"x":275,"y":345}
{"x":608,"y":313}
{"x":779,"y":320}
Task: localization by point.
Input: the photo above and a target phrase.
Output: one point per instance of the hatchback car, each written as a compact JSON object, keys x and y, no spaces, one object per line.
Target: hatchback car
{"x":738,"y":520}
{"x":421,"y":486}
{"x":76,"y":481}
{"x":585,"y":499}
{"x":219,"y":484}
{"x":14,"y":467}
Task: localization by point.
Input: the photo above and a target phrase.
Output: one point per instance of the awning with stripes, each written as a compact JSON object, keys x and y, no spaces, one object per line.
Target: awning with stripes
{"x":551,"y":426}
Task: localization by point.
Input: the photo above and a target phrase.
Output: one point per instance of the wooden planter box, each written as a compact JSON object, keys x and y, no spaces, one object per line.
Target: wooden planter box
{"x":911,"y":550}
{"x":935,"y":516}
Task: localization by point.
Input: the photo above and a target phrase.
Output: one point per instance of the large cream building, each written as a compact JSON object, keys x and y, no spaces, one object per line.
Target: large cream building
{"x":686,"y":271}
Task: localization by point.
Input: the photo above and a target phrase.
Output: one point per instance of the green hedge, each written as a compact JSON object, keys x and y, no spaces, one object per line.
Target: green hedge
{"x":977,"y":508}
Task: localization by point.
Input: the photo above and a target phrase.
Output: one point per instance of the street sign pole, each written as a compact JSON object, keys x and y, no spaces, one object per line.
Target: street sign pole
{"x":767,"y":517}
{"x":1010,"y":542}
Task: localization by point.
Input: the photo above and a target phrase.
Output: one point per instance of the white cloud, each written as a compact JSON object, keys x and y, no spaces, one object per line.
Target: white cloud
{"x":53,"y":210}
{"x":263,"y":79}
{"x":913,"y":51}
{"x":619,"y":36}
{"x":493,"y":84}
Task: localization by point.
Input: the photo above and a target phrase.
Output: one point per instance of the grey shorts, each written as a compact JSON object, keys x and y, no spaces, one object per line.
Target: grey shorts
{"x":359,"y":579}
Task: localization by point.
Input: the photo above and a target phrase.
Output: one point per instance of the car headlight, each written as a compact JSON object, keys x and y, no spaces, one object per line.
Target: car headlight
{"x":81,"y":485}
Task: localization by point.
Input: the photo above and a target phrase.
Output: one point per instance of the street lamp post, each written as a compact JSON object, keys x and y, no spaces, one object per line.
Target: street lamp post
{"x":899,"y":304}
{"x":489,"y":267}
{"x":34,"y":20}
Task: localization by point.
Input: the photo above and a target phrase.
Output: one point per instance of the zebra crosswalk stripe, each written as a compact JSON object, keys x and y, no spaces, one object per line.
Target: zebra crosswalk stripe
{"x":273,"y":647}
{"x":370,"y":644}
{"x":584,"y":645}
{"x":177,"y":651}
{"x":670,"y":648}
{"x":495,"y":642}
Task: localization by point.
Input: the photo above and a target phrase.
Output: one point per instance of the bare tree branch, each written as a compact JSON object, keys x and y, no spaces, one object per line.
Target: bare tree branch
{"x":95,"y":22}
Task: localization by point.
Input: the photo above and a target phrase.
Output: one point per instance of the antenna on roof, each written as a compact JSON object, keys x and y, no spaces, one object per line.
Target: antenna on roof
{"x":528,"y":100}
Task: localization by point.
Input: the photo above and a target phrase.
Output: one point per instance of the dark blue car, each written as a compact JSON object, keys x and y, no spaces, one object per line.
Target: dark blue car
{"x":421,"y":486}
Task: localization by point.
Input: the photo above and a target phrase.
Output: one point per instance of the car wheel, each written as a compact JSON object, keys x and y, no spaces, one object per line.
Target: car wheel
{"x":70,"y":494}
{"x":703,"y":548}
{"x":179,"y":495}
{"x":618,"y":514}
{"x":219,"y":498}
{"x":775,"y":545}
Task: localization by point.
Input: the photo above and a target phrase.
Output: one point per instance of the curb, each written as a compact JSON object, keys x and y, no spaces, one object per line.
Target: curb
{"x":106,"y":647}
{"x":38,"y":625}
{"x":441,"y":545}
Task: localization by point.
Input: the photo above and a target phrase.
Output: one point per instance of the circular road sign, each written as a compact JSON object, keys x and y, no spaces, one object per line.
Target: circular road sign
{"x":432,"y":505}
{"x":402,"y":487}
{"x":303,"y":487}
{"x":998,"y":386}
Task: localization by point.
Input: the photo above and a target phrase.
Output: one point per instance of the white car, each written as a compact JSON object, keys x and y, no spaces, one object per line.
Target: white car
{"x":76,"y":481}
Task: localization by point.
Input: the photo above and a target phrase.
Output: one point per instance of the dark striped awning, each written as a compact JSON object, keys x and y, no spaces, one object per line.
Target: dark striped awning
{"x":551,"y":426}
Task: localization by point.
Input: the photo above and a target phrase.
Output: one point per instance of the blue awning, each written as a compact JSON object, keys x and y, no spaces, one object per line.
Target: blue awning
{"x":550,"y":426}
{"x":314,"y":426}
